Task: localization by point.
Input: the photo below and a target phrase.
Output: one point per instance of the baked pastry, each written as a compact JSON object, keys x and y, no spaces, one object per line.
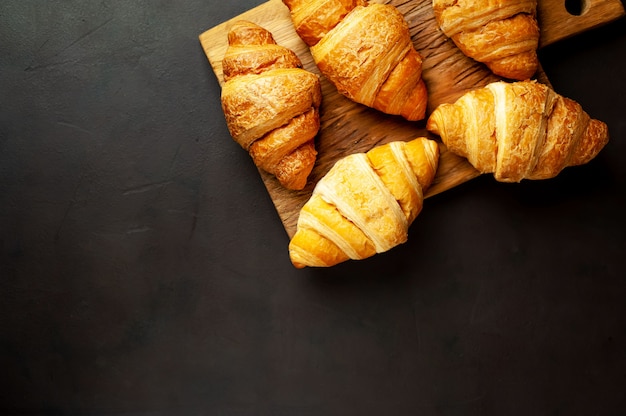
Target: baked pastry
{"x":365,"y":51}
{"x":271,"y":104}
{"x":365,"y":204}
{"x":503,"y":34}
{"x":520,"y":130}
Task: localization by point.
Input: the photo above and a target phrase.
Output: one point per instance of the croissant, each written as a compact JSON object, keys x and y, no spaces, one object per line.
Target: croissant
{"x":271,"y":104}
{"x":503,"y":34}
{"x":365,"y":204}
{"x":520,"y":130}
{"x":365,"y":51}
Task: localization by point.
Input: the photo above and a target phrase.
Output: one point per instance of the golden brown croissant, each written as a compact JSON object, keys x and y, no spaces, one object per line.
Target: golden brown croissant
{"x":364,"y":50}
{"x":365,"y":204}
{"x":503,"y":34}
{"x":271,"y":104}
{"x":520,"y":130}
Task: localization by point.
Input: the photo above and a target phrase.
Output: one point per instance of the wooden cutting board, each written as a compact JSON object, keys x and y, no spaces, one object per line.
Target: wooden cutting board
{"x":347,"y":127}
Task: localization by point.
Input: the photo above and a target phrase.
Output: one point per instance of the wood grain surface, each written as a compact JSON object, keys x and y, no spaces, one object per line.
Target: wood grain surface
{"x":348,"y":127}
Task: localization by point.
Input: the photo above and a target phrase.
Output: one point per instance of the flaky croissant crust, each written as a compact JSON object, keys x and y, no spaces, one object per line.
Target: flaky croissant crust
{"x":366,"y":51}
{"x":271,"y":104}
{"x":314,"y":19}
{"x":503,"y":34}
{"x":365,"y":204}
{"x":519,"y":130}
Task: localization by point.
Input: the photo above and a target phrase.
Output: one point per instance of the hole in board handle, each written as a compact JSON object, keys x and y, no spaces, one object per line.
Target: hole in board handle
{"x":576,"y":7}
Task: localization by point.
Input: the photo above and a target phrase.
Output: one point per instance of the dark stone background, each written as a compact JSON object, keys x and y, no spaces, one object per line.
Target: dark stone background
{"x":144,"y":270}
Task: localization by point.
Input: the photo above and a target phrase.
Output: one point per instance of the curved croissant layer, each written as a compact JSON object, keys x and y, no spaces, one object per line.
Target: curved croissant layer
{"x":366,"y":51}
{"x":520,"y":130}
{"x":503,"y":34}
{"x":365,"y":204}
{"x":271,"y":104}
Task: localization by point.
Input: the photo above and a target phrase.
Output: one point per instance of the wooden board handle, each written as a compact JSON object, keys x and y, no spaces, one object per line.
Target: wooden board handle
{"x":558,"y":23}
